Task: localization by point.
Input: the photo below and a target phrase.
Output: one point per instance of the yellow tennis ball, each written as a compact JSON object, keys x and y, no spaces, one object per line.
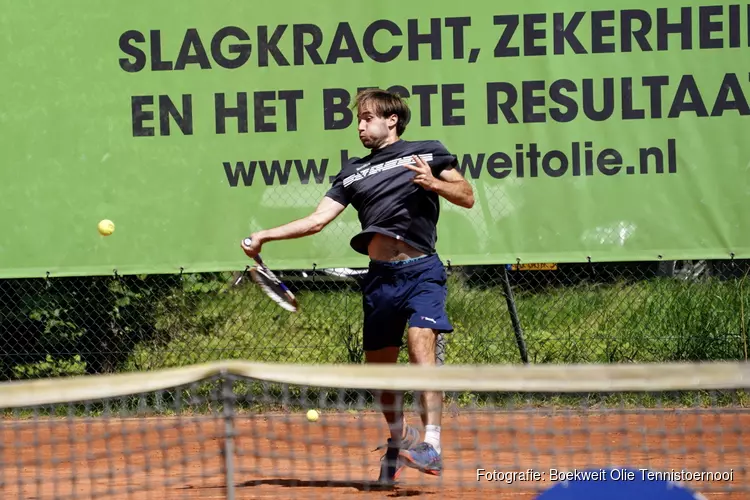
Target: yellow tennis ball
{"x":312,"y":415}
{"x":106,"y":227}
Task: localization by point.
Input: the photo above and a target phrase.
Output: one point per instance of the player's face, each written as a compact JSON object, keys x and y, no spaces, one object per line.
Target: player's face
{"x":374,"y":131}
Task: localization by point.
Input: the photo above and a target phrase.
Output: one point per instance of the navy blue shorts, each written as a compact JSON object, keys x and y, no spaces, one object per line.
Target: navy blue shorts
{"x":397,"y":294}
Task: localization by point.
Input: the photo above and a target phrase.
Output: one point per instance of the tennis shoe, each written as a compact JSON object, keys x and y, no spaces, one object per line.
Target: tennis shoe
{"x":391,"y":464}
{"x":424,"y":458}
{"x":407,"y":442}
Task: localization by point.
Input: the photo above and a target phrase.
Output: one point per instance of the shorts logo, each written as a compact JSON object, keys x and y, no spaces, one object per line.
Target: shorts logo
{"x":428,"y":319}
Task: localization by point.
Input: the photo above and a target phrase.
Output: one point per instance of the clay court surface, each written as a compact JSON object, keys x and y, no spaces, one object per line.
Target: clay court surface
{"x":284,"y":456}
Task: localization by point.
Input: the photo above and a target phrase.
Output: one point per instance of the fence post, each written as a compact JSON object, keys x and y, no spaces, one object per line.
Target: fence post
{"x":226,"y":397}
{"x":508,"y":292}
{"x":440,"y":350}
{"x":440,"y":340}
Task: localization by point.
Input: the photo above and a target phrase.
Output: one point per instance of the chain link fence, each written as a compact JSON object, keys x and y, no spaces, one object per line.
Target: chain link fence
{"x":568,"y":313}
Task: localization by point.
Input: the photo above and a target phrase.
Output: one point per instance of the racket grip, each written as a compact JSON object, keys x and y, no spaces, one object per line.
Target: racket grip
{"x":247,"y":242}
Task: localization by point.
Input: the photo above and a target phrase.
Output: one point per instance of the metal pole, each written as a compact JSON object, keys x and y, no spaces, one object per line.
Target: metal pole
{"x":514,"y":316}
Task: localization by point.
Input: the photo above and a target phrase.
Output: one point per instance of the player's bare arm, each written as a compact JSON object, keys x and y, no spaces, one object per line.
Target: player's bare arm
{"x":450,"y":184}
{"x":326,"y":211}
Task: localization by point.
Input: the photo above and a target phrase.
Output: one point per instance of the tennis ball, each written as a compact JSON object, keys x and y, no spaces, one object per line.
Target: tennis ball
{"x":312,"y":415}
{"x":106,"y":227}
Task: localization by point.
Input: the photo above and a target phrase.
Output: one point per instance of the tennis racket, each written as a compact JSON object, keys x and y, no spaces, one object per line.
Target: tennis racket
{"x":269,"y":283}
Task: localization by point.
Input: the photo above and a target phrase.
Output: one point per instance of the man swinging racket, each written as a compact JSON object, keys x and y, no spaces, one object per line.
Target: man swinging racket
{"x":395,"y":190}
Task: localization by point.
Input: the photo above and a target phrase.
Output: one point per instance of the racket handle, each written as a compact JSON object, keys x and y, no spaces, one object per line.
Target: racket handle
{"x":247,"y":242}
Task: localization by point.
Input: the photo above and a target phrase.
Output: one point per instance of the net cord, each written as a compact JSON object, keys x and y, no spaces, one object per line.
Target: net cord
{"x":401,"y":377}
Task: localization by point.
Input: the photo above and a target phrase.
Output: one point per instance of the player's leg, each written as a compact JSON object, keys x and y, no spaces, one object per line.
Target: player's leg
{"x":427,"y":455}
{"x":401,"y":435}
{"x":422,"y":344}
{"x":383,"y":332}
{"x":428,"y":318}
{"x":391,"y":402}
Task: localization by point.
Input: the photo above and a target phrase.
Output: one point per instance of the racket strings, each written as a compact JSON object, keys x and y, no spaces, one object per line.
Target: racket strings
{"x":274,"y":289}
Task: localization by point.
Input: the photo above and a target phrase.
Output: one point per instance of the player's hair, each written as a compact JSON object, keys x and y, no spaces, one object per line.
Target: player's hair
{"x":385,"y":104}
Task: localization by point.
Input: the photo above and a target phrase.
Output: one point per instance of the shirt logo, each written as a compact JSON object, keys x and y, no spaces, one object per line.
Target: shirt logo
{"x":363,"y":172}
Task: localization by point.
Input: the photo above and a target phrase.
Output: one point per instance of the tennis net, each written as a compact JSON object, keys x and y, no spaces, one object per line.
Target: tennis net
{"x":239,"y":430}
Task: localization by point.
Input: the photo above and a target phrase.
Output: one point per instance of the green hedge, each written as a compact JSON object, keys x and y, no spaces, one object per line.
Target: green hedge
{"x":103,"y":324}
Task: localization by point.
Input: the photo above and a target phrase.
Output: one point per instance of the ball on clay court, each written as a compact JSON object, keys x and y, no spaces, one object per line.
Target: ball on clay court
{"x":106,"y":227}
{"x":312,"y":415}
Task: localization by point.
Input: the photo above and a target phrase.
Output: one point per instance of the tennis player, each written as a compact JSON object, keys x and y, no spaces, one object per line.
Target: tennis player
{"x":395,"y":190}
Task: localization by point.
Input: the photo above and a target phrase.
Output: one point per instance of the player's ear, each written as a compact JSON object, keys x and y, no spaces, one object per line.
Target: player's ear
{"x":392,"y":121}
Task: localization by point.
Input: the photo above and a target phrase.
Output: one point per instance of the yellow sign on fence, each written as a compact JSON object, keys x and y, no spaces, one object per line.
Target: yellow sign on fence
{"x":534,"y":267}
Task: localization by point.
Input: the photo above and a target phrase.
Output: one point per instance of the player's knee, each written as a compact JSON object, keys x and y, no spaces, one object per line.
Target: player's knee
{"x":422,"y":342}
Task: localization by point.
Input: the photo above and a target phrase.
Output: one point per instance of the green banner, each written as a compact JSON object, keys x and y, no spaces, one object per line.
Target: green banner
{"x":604,"y":131}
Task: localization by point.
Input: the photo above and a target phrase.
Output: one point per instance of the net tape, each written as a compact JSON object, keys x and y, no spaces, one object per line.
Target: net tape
{"x":401,"y":377}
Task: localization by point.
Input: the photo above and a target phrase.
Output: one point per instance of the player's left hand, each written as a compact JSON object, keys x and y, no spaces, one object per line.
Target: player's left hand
{"x":424,"y":175}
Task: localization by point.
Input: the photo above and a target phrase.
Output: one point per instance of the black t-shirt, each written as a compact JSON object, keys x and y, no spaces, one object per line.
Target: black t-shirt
{"x":380,"y":188}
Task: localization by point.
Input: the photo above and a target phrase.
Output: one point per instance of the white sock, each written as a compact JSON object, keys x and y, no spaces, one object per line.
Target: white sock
{"x":432,"y":436}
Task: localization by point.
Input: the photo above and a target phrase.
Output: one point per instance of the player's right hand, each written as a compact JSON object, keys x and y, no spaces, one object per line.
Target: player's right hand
{"x":251,"y":245}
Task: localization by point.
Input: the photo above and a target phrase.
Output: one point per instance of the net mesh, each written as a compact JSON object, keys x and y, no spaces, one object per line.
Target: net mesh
{"x":239,"y":430}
